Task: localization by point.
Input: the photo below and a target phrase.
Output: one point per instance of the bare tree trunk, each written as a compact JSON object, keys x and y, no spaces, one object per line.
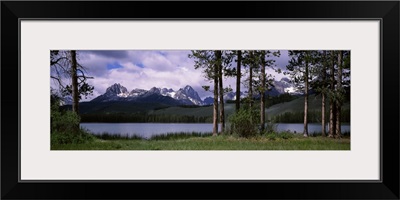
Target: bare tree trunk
{"x":323,"y":115}
{"x":332,"y":105}
{"x":338,"y":104}
{"x":75,"y":95}
{"x":262,"y":93}
{"x":221,"y":91}
{"x":323,"y":95}
{"x":215,"y":106}
{"x":238,"y":76}
{"x":251,"y":82}
{"x":338,"y":124}
{"x":305,"y":132}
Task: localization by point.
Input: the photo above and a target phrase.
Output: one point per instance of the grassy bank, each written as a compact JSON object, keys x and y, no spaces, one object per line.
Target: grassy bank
{"x":207,"y":142}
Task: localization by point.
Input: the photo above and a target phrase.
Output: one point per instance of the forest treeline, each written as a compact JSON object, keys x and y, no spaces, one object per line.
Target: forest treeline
{"x":312,"y":116}
{"x":143,"y":118}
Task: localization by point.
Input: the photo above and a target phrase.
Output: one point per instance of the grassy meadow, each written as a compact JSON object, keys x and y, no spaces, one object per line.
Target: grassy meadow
{"x":282,"y":141}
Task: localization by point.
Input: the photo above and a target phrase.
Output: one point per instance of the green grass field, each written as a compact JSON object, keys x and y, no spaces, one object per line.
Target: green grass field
{"x":267,"y":142}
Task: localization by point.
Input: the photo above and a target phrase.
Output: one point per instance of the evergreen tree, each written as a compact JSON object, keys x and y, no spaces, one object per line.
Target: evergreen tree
{"x":210,"y":63}
{"x":299,"y":69}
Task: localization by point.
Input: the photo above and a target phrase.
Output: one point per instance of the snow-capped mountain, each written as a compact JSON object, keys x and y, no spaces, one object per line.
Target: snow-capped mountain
{"x":184,"y":96}
{"x":284,"y":85}
{"x":113,"y":93}
{"x":188,"y":94}
{"x":137,"y":92}
{"x":232,"y":96}
{"x":117,"y":89}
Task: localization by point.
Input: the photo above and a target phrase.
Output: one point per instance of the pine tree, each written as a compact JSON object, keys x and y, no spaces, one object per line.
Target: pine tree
{"x":332,"y":99}
{"x":299,"y":70}
{"x":208,"y":61}
{"x":238,"y":77}
{"x":267,"y":59}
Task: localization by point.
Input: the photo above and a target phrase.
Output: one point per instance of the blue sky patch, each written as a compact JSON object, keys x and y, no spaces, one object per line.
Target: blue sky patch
{"x":140,"y":65}
{"x":114,"y":65}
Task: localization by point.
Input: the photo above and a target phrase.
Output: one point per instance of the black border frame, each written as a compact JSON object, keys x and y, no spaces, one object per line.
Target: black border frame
{"x":386,"y":11}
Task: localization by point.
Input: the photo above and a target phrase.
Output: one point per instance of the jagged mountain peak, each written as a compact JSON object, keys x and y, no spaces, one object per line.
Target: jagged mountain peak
{"x":188,"y":87}
{"x":155,"y":90}
{"x":116,"y":88}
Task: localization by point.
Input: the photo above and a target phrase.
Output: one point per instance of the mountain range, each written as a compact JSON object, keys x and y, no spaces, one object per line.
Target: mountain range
{"x":183,"y":96}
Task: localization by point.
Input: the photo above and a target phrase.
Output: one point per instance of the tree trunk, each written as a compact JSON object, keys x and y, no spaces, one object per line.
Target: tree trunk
{"x":305,"y":132}
{"x":324,"y":67}
{"x":332,"y":105}
{"x":262,"y":93}
{"x":221,"y":92}
{"x":323,"y":115}
{"x":215,"y":106}
{"x":251,"y":82}
{"x":238,"y":76}
{"x":75,"y":95}
{"x":338,"y":104}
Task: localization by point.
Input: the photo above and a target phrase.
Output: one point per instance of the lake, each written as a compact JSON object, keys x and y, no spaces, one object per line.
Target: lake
{"x":147,"y":130}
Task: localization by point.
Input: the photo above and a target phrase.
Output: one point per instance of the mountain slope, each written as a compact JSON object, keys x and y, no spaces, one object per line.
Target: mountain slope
{"x":297,"y":105}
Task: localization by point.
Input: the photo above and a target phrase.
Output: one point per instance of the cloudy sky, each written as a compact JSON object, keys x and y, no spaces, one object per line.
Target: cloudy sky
{"x":147,"y":69}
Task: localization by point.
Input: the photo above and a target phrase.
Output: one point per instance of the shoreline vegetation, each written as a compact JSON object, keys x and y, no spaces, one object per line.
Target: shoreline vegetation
{"x":205,"y":141}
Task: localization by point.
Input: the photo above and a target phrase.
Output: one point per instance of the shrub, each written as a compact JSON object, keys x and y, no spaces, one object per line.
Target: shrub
{"x":64,"y":126}
{"x":71,"y":137}
{"x":245,"y":122}
{"x":285,"y":135}
{"x":66,"y":121}
{"x":282,"y":135}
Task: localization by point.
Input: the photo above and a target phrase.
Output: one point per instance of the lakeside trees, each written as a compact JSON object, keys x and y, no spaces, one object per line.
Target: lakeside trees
{"x":210,"y":63}
{"x":299,"y":70}
{"x":325,"y":73}
{"x":216,"y":64}
{"x":267,"y":60}
{"x":309,"y":71}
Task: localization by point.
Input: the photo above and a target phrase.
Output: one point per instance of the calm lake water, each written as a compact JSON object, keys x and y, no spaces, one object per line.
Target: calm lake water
{"x":147,"y":130}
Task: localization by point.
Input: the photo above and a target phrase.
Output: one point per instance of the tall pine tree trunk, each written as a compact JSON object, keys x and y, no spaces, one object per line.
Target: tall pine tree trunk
{"x":323,"y":115}
{"x":238,"y":76}
{"x":332,"y":104}
{"x":251,"y":82}
{"x":338,"y":104}
{"x":221,"y":91}
{"x":75,"y":95}
{"x":324,"y":67}
{"x":262,"y":93}
{"x":215,"y":105}
{"x":305,"y":132}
